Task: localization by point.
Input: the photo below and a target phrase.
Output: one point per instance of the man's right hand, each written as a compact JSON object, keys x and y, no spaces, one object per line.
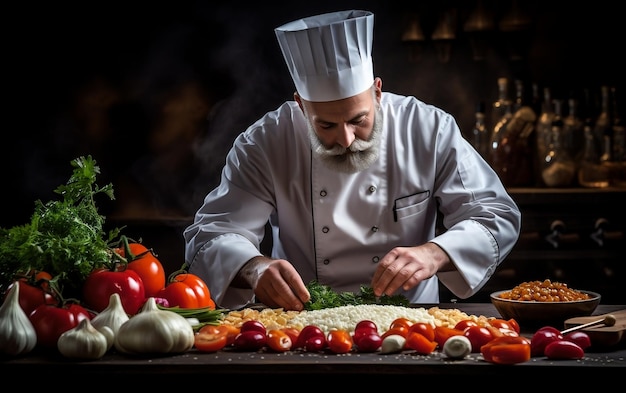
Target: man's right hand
{"x":276,"y":283}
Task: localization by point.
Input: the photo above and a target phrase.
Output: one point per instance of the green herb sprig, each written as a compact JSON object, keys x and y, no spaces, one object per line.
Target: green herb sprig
{"x":323,"y":296}
{"x":64,"y":237}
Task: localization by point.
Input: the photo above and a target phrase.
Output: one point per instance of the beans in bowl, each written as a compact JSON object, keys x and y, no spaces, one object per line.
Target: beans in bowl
{"x":544,"y":291}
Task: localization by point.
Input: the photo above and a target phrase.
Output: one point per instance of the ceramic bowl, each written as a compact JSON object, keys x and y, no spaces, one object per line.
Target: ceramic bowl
{"x":534,"y":313}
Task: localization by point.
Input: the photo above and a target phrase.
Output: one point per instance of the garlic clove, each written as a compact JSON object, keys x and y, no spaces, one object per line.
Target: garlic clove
{"x":17,"y":333}
{"x":112,"y":317}
{"x":83,"y":342}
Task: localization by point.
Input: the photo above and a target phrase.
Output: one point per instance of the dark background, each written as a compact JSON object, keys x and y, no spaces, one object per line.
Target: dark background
{"x":157,"y":91}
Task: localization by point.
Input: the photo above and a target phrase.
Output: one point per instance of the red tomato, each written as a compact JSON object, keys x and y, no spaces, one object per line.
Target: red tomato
{"x":278,"y":340}
{"x":253,"y":325}
{"x":339,"y":341}
{"x":315,"y":344}
{"x":102,"y":283}
{"x":399,"y":330}
{"x":506,"y":350}
{"x":230,"y":331}
{"x":368,"y":342}
{"x":442,"y":333}
{"x":251,"y":340}
{"x":580,"y":338}
{"x":563,"y":349}
{"x":51,"y":321}
{"x":401,"y":322}
{"x":426,"y":329}
{"x":308,"y":332}
{"x":147,"y":266}
{"x":33,"y":293}
{"x":209,"y":342}
{"x":366,"y":326}
{"x":293,"y":333}
{"x":478,"y":336}
{"x":465,"y":323}
{"x":187,"y":290}
{"x":505,"y":326}
{"x":541,"y":338}
{"x":419,"y":343}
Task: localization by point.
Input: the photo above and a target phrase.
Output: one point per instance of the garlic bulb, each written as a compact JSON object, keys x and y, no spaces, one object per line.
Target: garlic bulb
{"x":112,"y":317}
{"x":17,"y":333}
{"x":83,"y":342}
{"x":154,"y":331}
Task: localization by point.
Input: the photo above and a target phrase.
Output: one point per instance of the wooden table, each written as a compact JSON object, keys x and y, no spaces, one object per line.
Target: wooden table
{"x":203,"y":369}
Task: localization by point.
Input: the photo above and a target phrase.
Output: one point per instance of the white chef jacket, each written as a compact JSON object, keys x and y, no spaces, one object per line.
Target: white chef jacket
{"x":334,"y":227}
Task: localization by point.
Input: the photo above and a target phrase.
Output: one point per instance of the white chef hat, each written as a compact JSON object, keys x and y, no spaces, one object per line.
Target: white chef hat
{"x":329,"y":55}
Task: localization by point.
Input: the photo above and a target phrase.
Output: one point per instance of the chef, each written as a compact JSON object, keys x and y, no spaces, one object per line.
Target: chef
{"x":351,"y":180}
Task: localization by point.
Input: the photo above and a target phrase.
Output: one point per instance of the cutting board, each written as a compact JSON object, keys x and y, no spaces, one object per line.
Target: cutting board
{"x":602,"y":335}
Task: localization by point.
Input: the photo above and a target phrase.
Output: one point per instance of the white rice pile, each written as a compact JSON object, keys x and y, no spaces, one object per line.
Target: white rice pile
{"x":346,"y":317}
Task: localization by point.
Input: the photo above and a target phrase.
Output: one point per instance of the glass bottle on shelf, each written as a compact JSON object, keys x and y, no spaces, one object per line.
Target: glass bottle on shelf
{"x":559,"y":168}
{"x":480,"y":133}
{"x":511,"y":147}
{"x":573,"y":133}
{"x":617,"y":172}
{"x":604,"y":121}
{"x":590,"y":173}
{"x":544,"y":127}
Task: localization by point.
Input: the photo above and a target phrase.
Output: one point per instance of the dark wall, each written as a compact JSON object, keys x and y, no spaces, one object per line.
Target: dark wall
{"x":157,"y":91}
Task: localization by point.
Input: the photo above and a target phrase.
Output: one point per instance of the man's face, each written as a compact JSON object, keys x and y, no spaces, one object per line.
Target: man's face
{"x":345,"y":134}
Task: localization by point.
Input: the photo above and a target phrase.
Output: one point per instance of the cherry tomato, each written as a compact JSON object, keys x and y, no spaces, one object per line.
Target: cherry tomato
{"x":148,"y":267}
{"x":563,"y":349}
{"x":293,"y":333}
{"x":541,"y":338}
{"x":250,"y":341}
{"x":366,"y":325}
{"x":339,"y":341}
{"x":514,"y":325}
{"x":253,"y":325}
{"x":443,"y":333}
{"x":399,"y":330}
{"x":308,"y":332}
{"x":209,"y":342}
{"x":230,"y":331}
{"x":187,"y":290}
{"x":465,"y":323}
{"x":51,"y":321}
{"x":278,"y":340}
{"x":401,"y":322}
{"x":368,"y":342}
{"x":426,"y":329}
{"x":34,"y":292}
{"x":315,"y":344}
{"x":478,"y":336}
{"x":102,"y":283}
{"x":505,"y":326}
{"x":420,"y":343}
{"x":506,"y":350}
{"x":580,"y":338}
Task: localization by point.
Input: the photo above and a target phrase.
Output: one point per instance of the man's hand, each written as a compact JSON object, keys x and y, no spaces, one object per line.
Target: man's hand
{"x":276,"y":283}
{"x":405,"y":267}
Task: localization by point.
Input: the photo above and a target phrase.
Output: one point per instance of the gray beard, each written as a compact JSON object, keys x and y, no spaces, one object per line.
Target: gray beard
{"x":360,"y":155}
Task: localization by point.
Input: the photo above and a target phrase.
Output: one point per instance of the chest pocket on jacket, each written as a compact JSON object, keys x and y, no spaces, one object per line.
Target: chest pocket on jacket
{"x":410,"y":205}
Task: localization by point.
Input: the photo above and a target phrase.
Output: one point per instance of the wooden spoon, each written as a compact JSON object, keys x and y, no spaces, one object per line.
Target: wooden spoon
{"x":608,"y":320}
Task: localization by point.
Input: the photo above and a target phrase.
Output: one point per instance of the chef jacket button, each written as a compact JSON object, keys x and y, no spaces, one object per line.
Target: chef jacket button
{"x":326,"y":261}
{"x":325,"y":229}
{"x":372,"y":189}
{"x":375,"y":259}
{"x":374,"y":229}
{"x":323,"y":193}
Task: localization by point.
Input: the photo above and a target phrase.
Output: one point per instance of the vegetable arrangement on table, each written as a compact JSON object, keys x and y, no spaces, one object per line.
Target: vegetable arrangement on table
{"x":69,"y":286}
{"x":60,"y":271}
